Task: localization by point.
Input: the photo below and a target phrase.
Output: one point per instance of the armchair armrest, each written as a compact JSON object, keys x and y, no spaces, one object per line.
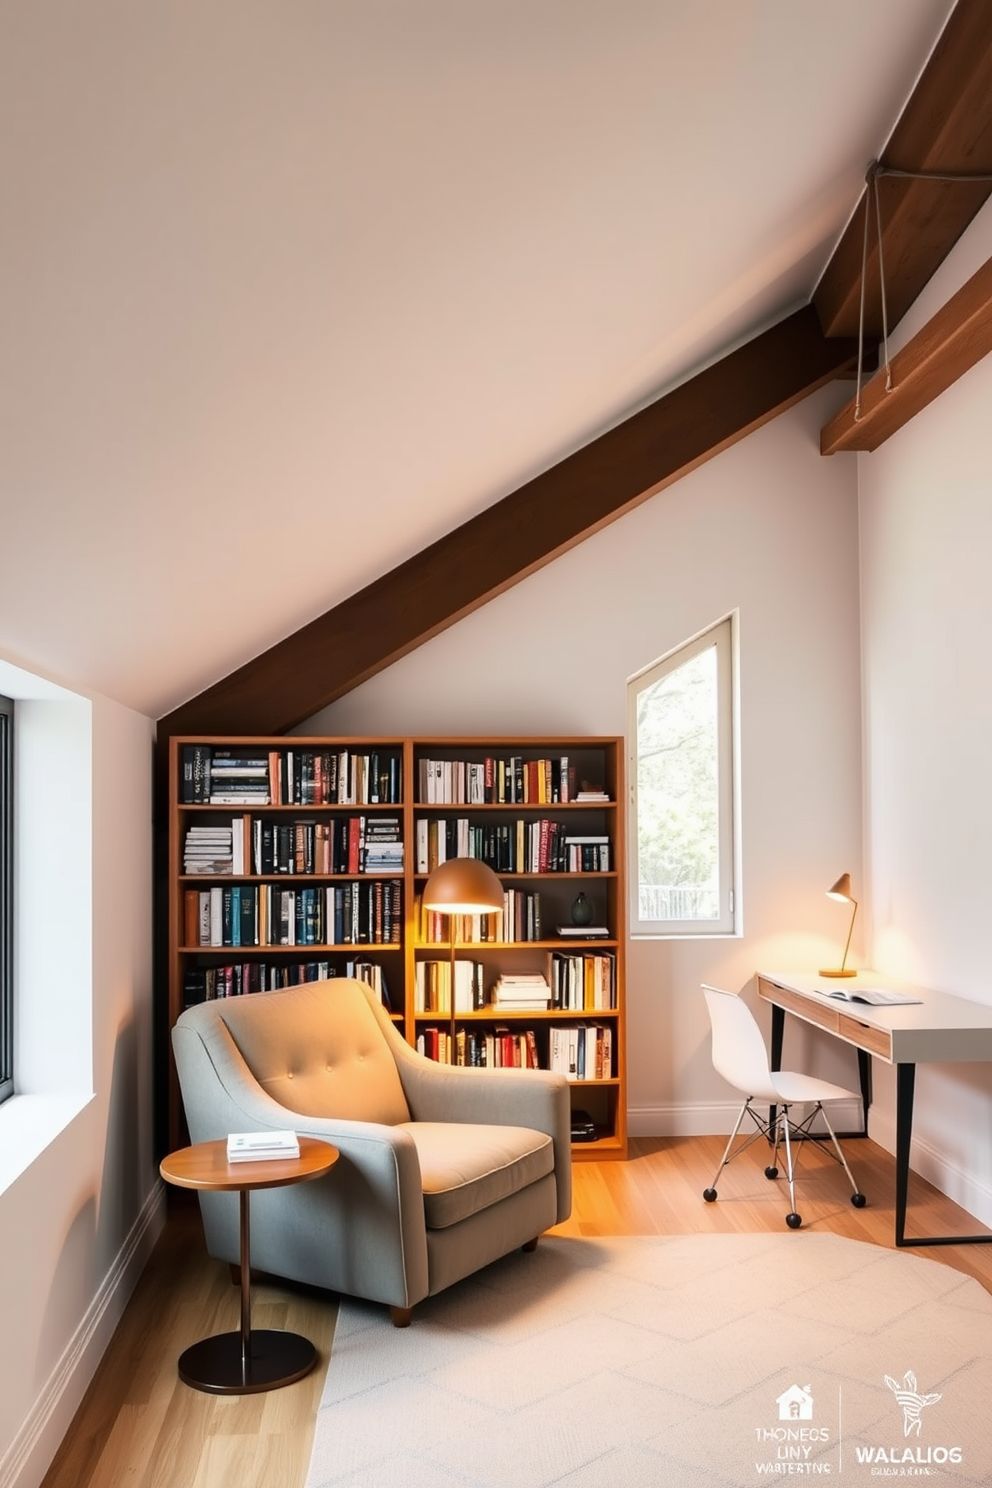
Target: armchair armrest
{"x":490,"y":1097}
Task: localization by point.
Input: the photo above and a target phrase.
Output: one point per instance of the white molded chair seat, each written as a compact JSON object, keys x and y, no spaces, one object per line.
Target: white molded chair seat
{"x":739,"y":1055}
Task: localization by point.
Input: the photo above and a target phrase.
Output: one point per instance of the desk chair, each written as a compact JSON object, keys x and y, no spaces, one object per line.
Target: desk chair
{"x":739,"y":1056}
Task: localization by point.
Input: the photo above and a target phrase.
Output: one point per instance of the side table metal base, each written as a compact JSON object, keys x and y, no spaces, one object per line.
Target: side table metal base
{"x":218,"y":1366}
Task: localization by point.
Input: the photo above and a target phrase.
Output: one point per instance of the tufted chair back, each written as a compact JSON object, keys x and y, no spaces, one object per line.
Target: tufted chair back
{"x":317,"y":1050}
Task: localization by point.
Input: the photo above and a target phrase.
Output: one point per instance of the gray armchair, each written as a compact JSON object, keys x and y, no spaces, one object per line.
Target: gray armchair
{"x":442,"y":1169}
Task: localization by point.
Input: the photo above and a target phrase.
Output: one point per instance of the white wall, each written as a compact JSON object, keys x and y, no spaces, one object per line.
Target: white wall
{"x":80,"y":1204}
{"x":926,"y":536}
{"x":768,"y":528}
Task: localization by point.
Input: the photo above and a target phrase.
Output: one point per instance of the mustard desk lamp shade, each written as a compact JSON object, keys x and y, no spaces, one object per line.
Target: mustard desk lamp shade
{"x":461,"y":886}
{"x":841,"y":891}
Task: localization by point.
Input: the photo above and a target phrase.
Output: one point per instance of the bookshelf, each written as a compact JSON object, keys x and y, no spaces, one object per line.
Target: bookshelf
{"x":296,"y":858}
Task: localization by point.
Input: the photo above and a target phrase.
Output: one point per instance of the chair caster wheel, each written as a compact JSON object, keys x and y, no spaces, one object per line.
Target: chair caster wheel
{"x":858,"y":1200}
{"x":771,"y":1172}
{"x":794,"y":1221}
{"x":709,"y":1194}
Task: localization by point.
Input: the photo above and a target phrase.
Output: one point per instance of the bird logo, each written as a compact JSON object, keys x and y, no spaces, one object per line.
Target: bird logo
{"x":911,"y":1400}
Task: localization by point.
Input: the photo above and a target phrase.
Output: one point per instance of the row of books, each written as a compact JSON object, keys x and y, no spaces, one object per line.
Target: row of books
{"x":495,"y":781}
{"x":579,"y":1052}
{"x":520,"y":920}
{"x":583,"y":983}
{"x":498,"y":1048}
{"x":244,"y":774}
{"x":236,"y":979}
{"x":577,"y":984}
{"x":266,"y":915}
{"x":346,"y":844}
{"x":582,"y":1051}
{"x":543,"y":846}
{"x":432,"y":986}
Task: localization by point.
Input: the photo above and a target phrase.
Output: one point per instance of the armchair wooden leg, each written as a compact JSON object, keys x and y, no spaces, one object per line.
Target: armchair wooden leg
{"x":531,"y":1244}
{"x":401,"y":1316}
{"x":235,"y":1275}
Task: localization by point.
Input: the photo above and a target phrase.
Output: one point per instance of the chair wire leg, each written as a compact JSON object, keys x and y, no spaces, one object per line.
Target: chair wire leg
{"x":709,"y":1194}
{"x":778,"y":1142}
{"x":792,"y":1219}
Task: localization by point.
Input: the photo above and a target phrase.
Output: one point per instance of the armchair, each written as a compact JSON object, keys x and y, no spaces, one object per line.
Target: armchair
{"x":442,"y":1169}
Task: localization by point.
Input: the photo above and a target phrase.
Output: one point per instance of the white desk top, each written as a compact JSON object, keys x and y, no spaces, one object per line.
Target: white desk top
{"x":940,"y":1028}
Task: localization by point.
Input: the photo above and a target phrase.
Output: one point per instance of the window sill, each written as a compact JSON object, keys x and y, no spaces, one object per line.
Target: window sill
{"x":29,"y":1124}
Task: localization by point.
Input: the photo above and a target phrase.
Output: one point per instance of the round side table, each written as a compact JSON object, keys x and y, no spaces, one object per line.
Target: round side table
{"x":245,"y":1362}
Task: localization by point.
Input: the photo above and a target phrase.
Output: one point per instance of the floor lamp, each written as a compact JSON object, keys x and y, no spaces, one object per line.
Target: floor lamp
{"x":461,"y":886}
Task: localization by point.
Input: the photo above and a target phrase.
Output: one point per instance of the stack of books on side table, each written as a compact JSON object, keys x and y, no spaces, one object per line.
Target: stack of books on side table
{"x":257,"y":1146}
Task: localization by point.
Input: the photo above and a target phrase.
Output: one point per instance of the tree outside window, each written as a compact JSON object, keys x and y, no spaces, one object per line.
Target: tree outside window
{"x":681,"y":721}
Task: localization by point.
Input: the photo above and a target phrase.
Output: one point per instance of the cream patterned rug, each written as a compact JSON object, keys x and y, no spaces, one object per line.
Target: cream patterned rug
{"x":703,"y":1361}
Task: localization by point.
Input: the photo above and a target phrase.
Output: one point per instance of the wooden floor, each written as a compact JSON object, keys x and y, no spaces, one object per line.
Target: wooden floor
{"x":139,"y":1425}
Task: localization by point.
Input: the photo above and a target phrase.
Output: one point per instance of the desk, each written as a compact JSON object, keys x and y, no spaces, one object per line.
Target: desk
{"x":939,"y":1029}
{"x":244,"y":1363}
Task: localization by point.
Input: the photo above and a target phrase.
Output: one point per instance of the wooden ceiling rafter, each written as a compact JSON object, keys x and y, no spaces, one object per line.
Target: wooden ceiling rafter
{"x":945,"y":130}
{"x":948,"y":346}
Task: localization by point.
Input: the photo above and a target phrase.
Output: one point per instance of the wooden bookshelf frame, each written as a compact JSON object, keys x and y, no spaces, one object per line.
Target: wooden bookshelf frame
{"x":601,"y":756}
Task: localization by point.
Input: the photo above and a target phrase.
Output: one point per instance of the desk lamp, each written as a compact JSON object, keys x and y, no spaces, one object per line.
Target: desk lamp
{"x":461,"y":886}
{"x":842,"y":892}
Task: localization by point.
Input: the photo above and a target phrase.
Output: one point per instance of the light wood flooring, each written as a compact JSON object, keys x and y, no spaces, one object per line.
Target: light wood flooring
{"x":139,"y":1425}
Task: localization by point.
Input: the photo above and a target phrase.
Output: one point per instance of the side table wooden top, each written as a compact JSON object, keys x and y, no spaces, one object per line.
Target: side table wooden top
{"x":205,"y":1165}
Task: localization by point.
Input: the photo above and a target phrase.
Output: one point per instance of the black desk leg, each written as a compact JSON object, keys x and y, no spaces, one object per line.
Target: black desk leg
{"x":864,"y":1076}
{"x":778,"y":1038}
{"x":905,"y":1086}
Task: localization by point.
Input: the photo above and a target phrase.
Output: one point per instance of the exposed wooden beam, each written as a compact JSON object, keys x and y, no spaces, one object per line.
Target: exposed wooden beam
{"x":957,"y":337}
{"x":518,"y":535}
{"x":946,"y":126}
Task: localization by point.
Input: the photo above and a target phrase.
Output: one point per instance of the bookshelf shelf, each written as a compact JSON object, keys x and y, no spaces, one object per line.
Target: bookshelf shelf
{"x":492,"y":1014}
{"x":280,"y":808}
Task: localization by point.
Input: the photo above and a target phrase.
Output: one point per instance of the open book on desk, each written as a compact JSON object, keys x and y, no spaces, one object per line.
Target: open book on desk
{"x":876,"y":996}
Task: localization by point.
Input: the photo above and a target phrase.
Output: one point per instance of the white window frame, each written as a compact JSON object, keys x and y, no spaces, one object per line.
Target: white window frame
{"x":7,"y":898}
{"x":722,"y":635}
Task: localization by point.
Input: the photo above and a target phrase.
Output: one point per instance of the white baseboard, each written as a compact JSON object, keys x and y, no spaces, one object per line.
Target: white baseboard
{"x":30,"y":1454}
{"x":712,"y":1119}
{"x":937,"y":1168}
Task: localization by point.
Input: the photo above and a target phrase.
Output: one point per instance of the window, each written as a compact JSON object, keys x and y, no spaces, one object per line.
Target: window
{"x":6,"y":897}
{"x":681,"y":743}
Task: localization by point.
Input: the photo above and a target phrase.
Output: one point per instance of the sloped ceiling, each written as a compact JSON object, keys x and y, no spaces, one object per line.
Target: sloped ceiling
{"x":289,"y":290}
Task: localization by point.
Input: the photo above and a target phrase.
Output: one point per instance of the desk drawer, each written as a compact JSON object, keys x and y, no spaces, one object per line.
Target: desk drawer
{"x":803,"y":1007}
{"x":875,"y":1040}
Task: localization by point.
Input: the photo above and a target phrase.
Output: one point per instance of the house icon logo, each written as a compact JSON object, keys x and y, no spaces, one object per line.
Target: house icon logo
{"x":795,"y":1404}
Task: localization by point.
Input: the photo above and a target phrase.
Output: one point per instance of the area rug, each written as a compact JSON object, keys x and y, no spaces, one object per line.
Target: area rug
{"x":698,"y":1362}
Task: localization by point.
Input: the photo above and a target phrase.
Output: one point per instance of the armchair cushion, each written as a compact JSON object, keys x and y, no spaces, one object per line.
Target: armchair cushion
{"x":466,"y":1168}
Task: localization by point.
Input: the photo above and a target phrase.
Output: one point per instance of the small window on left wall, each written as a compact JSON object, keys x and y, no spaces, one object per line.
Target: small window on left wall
{"x":6,"y":898}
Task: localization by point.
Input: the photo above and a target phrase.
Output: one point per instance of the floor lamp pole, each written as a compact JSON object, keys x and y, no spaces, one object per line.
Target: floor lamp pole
{"x":451,"y":990}
{"x":460,"y":886}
